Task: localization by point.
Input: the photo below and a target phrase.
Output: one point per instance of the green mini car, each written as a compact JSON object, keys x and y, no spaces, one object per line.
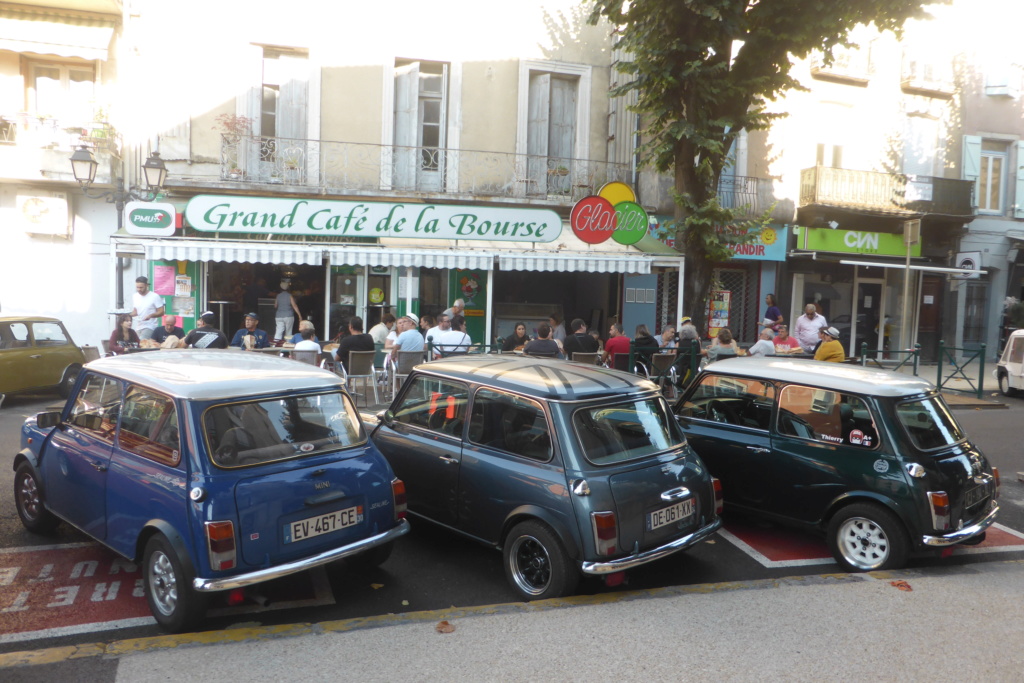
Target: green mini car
{"x":872,"y":458}
{"x":37,"y":353}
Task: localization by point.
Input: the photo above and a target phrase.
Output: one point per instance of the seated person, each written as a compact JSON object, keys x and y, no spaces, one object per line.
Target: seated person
{"x":168,"y":329}
{"x":723,"y":346}
{"x":123,"y":337}
{"x":454,"y":340}
{"x":644,"y":345}
{"x":764,"y":346}
{"x":784,"y":343}
{"x":250,"y":337}
{"x":307,"y":340}
{"x":687,"y":363}
{"x":303,"y":324}
{"x":355,"y":340}
{"x":579,"y":341}
{"x":516,"y":340}
{"x":830,"y":349}
{"x":205,"y":335}
{"x":409,"y":337}
{"x":544,"y":345}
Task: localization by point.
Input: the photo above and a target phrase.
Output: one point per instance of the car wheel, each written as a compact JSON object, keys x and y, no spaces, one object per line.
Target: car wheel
{"x":173,"y":602}
{"x":28,"y":498}
{"x":864,"y":537}
{"x":1004,"y":386}
{"x":536,"y":564}
{"x":374,"y":557}
{"x":68,"y":382}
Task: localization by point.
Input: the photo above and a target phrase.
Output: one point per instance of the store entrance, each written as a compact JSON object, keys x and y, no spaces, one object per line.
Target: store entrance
{"x":252,"y":287}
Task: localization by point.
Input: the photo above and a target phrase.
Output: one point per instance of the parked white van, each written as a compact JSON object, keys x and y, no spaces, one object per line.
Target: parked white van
{"x":1010,"y":370}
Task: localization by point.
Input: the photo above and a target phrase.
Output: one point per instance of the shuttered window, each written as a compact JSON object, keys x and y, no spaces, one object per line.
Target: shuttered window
{"x":421,"y":112}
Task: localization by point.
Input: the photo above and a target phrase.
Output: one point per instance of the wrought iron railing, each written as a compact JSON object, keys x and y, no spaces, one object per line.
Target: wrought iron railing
{"x":351,"y":166}
{"x":750,"y":196}
{"x":25,"y":129}
{"x":892,"y":192}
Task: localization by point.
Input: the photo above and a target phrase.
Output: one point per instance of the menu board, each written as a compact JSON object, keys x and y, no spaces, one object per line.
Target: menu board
{"x":719,"y":301}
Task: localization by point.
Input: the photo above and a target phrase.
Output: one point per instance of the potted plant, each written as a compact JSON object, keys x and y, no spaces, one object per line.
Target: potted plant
{"x":233,"y":126}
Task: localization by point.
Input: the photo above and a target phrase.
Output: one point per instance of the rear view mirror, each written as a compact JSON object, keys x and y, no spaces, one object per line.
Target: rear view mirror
{"x":385,"y":417}
{"x":48,"y":419}
{"x":88,"y":421}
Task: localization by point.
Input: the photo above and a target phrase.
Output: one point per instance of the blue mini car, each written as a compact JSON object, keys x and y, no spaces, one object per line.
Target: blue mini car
{"x":213,"y":470}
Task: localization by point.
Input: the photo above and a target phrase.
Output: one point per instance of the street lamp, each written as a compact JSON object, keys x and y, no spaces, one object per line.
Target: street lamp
{"x":84,"y":165}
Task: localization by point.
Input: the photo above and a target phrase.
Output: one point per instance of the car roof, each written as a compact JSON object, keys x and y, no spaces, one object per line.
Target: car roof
{"x":27,"y":319}
{"x":835,"y":376}
{"x":543,"y":378}
{"x":207,"y":374}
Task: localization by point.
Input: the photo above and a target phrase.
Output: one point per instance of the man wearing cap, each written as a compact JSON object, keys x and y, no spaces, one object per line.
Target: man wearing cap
{"x":168,"y":329}
{"x":409,"y":337}
{"x":205,"y":336}
{"x":831,"y":349}
{"x":259,"y":339}
{"x":147,"y":307}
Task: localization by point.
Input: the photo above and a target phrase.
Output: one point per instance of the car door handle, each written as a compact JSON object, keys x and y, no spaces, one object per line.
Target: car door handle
{"x":36,"y":355}
{"x":676,"y":493}
{"x":758,"y":449}
{"x":98,"y":465}
{"x":448,"y":461}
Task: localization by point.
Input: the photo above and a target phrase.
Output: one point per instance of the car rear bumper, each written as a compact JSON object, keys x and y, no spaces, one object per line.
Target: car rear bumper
{"x":242,"y":580}
{"x":651,"y":555}
{"x":961,"y":535}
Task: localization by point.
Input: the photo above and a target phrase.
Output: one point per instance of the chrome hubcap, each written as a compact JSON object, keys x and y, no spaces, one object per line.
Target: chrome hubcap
{"x":28,"y":492}
{"x":163,"y":585}
{"x":531,"y":566}
{"x":863,"y":543}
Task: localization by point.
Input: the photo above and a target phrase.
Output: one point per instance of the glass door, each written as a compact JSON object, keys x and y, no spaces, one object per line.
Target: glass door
{"x":378,"y":295}
{"x":346,"y":293}
{"x":869,"y":321}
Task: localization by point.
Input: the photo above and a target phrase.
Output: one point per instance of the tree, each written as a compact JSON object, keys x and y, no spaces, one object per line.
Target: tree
{"x":704,"y":70}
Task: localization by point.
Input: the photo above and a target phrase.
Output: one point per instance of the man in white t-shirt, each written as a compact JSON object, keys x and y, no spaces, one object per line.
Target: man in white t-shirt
{"x":764,"y":345}
{"x":147,"y":308}
{"x":434,"y":334}
{"x":454,"y":340}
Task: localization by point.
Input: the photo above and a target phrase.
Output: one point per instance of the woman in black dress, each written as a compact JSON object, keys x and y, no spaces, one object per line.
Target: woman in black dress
{"x":516,"y":340}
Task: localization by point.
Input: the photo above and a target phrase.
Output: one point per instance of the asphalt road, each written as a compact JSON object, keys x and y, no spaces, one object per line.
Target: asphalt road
{"x":432,"y":569}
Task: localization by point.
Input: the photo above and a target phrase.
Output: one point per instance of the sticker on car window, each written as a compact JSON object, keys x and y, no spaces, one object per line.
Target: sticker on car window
{"x":306,"y":447}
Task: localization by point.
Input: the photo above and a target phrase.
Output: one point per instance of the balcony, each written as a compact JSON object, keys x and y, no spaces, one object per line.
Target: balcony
{"x":848,"y":66}
{"x":34,"y":147}
{"x":355,"y":168}
{"x":749,"y":197}
{"x":890,"y":193}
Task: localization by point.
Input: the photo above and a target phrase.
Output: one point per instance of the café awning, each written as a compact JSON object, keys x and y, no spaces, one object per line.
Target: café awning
{"x":419,"y":258}
{"x":47,"y":32}
{"x":235,"y":252}
{"x":576,"y":263}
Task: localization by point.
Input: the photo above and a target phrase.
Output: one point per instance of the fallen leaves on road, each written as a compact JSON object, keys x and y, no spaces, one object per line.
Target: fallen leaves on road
{"x":376,"y":586}
{"x":444,"y":627}
{"x":902,"y":585}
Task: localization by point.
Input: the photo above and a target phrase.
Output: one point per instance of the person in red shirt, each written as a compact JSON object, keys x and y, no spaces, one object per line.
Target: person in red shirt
{"x":617,"y":343}
{"x":784,"y":343}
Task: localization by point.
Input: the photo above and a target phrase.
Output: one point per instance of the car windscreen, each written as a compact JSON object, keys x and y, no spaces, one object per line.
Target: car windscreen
{"x":929,"y":423}
{"x":610,"y":434}
{"x":255,"y":432}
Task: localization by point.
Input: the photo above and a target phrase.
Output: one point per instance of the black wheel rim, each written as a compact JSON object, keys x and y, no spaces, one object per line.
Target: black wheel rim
{"x":530,"y":565}
{"x":28,"y":497}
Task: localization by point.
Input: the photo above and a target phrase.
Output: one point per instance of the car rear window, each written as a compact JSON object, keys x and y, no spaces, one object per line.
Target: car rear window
{"x":256,"y":432}
{"x":929,"y":423}
{"x":610,"y":434}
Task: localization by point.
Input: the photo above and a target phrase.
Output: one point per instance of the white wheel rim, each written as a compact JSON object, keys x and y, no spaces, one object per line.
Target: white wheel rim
{"x":863,"y":543}
{"x":163,"y":585}
{"x":28,"y":493}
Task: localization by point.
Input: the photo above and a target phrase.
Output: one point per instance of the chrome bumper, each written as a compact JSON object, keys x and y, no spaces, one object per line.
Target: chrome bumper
{"x":243,"y":580}
{"x":653,"y":554}
{"x":961,"y":535}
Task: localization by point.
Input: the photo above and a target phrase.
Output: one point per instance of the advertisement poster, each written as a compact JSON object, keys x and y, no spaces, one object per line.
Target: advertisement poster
{"x":182,"y":285}
{"x":163,"y":280}
{"x":718,"y":310}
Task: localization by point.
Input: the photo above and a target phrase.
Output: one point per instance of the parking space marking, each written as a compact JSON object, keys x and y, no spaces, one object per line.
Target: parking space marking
{"x":775,"y":547}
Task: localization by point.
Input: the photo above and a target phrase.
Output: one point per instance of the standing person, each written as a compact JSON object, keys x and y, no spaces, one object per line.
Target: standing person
{"x":168,"y":329}
{"x":773,"y":313}
{"x":380,"y":331}
{"x":250,"y":337}
{"x":516,"y":339}
{"x":356,"y":340}
{"x":147,"y":307}
{"x":557,"y":328}
{"x":454,"y":340}
{"x":785,"y":343}
{"x":123,"y":337}
{"x":807,"y":326}
{"x":617,"y":343}
{"x":206,"y":335}
{"x":543,"y":345}
{"x":409,"y":337}
{"x":579,"y":341}
{"x":764,"y":345}
{"x":458,"y":306}
{"x":830,"y":350}
{"x":285,"y":306}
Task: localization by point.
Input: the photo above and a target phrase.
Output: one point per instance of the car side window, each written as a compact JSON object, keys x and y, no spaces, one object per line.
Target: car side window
{"x":14,"y":336}
{"x":1017,"y":351}
{"x":434,"y":404}
{"x":828,"y":416}
{"x":97,"y":406}
{"x":510,"y":423}
{"x":48,"y":334}
{"x":734,"y":400}
{"x":149,"y":426}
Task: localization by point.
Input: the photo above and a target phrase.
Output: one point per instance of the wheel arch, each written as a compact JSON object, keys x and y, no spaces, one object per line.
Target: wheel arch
{"x":178,"y":543}
{"x":524,"y":513}
{"x":63,"y":389}
{"x":852,"y":497}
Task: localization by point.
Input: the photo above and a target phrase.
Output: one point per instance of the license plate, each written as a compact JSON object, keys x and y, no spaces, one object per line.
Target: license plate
{"x":975,"y":496}
{"x":669,"y":515}
{"x":324,"y":524}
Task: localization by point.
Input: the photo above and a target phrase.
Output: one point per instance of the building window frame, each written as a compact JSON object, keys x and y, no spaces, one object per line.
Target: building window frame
{"x":992,"y":176}
{"x":584,"y":75}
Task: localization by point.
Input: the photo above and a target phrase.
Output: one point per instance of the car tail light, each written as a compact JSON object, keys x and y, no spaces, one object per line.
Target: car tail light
{"x":398,"y":492}
{"x":995,"y":476}
{"x":606,"y":532}
{"x":220,"y":539}
{"x":939,"y":501}
{"x":719,"y":498}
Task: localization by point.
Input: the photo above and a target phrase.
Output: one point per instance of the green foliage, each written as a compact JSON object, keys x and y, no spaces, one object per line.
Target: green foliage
{"x":703,"y":70}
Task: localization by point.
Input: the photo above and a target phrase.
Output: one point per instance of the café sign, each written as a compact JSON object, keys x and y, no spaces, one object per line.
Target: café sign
{"x":853,"y":242}
{"x":285,"y":216}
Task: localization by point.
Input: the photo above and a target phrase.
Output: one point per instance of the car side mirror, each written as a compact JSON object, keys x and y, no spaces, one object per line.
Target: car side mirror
{"x":48,"y":419}
{"x":385,"y":417}
{"x":88,"y":421}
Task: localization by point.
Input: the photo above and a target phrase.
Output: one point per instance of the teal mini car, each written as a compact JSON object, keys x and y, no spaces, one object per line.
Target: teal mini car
{"x":874,"y":459}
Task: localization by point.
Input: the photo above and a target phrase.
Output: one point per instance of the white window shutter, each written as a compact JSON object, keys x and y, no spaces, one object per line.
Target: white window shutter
{"x":293,"y":101}
{"x":1018,"y":196}
{"x":249,"y":105}
{"x":407,"y":83}
{"x":972,"y":162}
{"x":537,"y":131}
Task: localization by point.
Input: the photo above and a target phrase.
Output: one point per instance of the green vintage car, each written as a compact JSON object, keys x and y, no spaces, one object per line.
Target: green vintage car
{"x":874,"y":459}
{"x":37,"y":353}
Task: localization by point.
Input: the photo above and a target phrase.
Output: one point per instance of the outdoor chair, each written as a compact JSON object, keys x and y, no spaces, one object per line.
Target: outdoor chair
{"x":401,"y":369}
{"x":91,"y":352}
{"x":588,"y":358}
{"x":361,"y":368}
{"x":310,"y":356}
{"x":663,"y":368}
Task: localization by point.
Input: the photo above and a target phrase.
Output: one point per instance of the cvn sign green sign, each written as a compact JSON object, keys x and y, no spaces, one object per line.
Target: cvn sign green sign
{"x":151,"y":220}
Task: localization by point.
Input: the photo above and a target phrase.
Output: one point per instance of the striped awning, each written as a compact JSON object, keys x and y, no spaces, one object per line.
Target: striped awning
{"x":420,"y":258}
{"x":235,"y":252}
{"x":576,"y":263}
{"x":45,"y":31}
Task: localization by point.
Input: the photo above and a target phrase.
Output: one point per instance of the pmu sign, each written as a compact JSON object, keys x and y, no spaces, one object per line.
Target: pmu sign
{"x":149,"y":219}
{"x":613,"y":212}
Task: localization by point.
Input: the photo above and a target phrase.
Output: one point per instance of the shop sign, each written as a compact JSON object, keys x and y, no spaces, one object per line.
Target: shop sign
{"x":282,"y":216}
{"x":769,"y":244}
{"x":612,"y":212}
{"x":969,"y":261}
{"x":149,"y":219}
{"x":853,"y":242}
